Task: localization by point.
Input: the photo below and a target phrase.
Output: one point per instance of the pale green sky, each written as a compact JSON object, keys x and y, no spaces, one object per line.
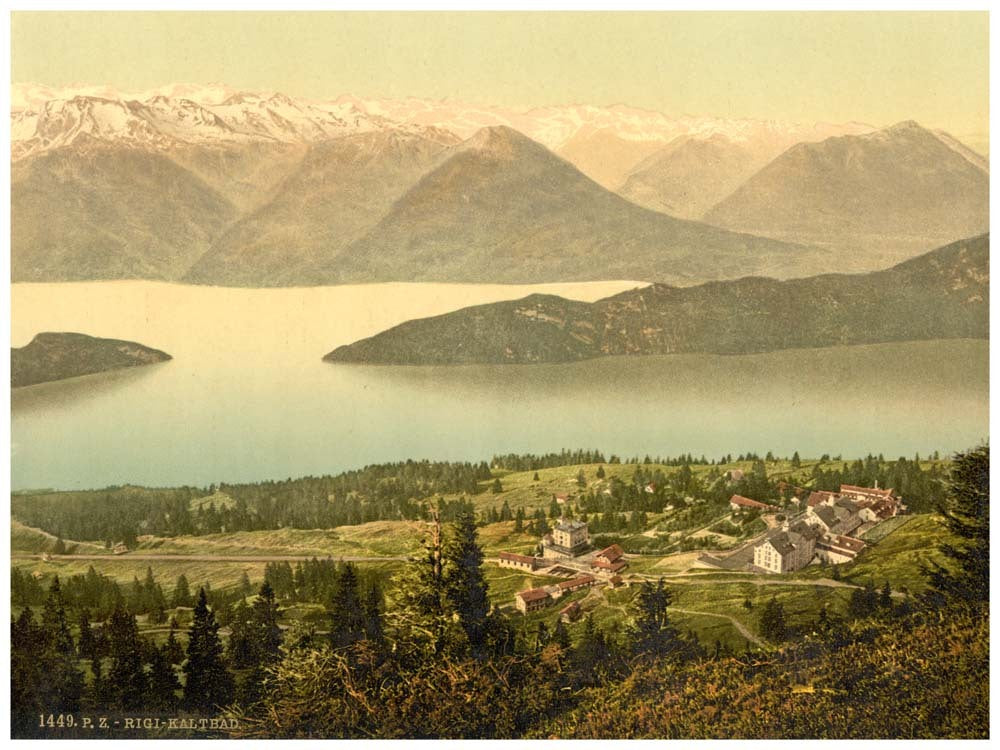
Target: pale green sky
{"x":874,"y":67}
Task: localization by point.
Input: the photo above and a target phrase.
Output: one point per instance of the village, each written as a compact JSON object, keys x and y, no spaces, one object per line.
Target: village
{"x":814,"y":527}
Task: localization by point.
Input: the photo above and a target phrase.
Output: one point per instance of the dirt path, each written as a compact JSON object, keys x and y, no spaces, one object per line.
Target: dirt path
{"x":736,"y":623}
{"x":212,"y":558}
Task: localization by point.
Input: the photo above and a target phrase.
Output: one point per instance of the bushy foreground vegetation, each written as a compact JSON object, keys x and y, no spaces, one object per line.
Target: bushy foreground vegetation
{"x":427,"y":656}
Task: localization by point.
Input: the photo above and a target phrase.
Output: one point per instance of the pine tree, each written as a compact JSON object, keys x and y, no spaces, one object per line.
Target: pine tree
{"x":264,"y":623}
{"x":172,"y":649}
{"x":535,"y":478}
{"x":347,"y":622}
{"x":163,"y":683}
{"x":600,"y":472}
{"x":497,"y":488}
{"x":421,"y":618}
{"x":465,"y":586}
{"x":27,"y":688}
{"x":374,"y":630}
{"x":57,"y":657}
{"x":241,"y":647}
{"x":653,"y":634}
{"x":126,"y":687}
{"x":885,"y":597}
{"x":86,"y":645}
{"x":965,"y":576}
{"x":519,"y":521}
{"x":182,"y":593}
{"x":208,"y":685}
{"x":772,"y":621}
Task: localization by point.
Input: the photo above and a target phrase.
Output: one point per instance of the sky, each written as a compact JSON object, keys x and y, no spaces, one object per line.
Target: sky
{"x":877,"y":68}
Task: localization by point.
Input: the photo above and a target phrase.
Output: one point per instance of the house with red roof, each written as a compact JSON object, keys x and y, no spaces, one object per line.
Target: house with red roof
{"x":738,"y":502}
{"x":531,"y":600}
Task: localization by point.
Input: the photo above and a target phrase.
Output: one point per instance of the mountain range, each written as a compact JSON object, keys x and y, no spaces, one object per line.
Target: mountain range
{"x":942,"y":294}
{"x":208,"y":184}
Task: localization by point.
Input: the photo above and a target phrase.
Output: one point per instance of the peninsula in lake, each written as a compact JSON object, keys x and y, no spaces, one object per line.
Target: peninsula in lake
{"x":58,"y":356}
{"x":942,"y":294}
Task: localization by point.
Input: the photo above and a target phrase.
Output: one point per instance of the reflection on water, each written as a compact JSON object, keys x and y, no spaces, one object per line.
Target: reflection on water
{"x":61,"y":394}
{"x":247,"y":396}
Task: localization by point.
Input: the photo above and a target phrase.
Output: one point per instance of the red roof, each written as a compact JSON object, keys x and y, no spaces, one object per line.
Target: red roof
{"x":843,"y":544}
{"x":533,"y":595}
{"x":613,"y":567}
{"x":746,"y":502}
{"x":819,"y":498}
{"x":611,"y":553}
{"x":514,"y":557}
{"x":580,"y":581}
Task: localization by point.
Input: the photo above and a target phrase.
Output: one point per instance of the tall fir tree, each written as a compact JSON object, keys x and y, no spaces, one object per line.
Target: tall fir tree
{"x":347,"y":620}
{"x":163,"y":683}
{"x":772,"y":621}
{"x":464,"y":583}
{"x":58,"y":653}
{"x":127,"y":684}
{"x":264,"y":623}
{"x":208,"y":685}
{"x":964,"y":577}
{"x":653,"y":635}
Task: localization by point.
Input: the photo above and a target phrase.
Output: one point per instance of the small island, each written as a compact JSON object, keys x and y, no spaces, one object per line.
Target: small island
{"x":58,"y":356}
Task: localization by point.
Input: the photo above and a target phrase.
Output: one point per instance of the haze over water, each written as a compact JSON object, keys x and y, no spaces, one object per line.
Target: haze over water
{"x":248,"y":398}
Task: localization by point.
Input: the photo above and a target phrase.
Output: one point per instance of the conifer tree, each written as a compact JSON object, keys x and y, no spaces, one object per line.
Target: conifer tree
{"x":182,"y":593}
{"x":86,"y":644}
{"x":242,"y":653}
{"x":374,"y":629}
{"x":208,"y":685}
{"x":57,"y":657}
{"x":964,"y":578}
{"x":163,"y":683}
{"x":264,"y":623}
{"x":27,"y":690}
{"x":347,"y":622}
{"x":465,"y":586}
{"x":653,"y":634}
{"x":172,"y":649}
{"x":772,"y":621}
{"x":126,"y":688}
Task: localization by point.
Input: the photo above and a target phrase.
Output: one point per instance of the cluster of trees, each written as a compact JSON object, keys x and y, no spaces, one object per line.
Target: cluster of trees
{"x":923,"y":490}
{"x":381,"y":492}
{"x":404,"y":490}
{"x":430,"y":657}
{"x":128,"y":674}
{"x":95,"y":592}
{"x":918,"y":673}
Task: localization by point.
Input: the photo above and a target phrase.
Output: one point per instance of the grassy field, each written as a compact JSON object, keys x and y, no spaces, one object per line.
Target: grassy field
{"x":35,"y":541}
{"x":704,"y":599}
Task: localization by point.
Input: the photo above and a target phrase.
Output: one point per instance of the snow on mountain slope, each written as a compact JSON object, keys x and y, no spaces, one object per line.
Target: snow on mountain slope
{"x":45,"y":117}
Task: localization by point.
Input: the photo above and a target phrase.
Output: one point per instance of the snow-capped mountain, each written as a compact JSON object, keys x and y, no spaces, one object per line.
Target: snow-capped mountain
{"x":555,"y":126}
{"x":49,"y":117}
{"x":179,"y":114}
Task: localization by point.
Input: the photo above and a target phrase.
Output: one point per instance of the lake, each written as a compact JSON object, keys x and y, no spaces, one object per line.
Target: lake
{"x":247,"y":396}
